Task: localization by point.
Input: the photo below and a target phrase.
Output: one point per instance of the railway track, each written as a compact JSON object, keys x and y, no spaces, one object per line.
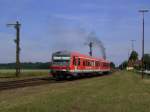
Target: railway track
{"x":24,"y":83}
{"x":36,"y":82}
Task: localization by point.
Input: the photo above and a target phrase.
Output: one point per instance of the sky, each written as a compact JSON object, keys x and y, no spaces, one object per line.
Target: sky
{"x":48,"y":26}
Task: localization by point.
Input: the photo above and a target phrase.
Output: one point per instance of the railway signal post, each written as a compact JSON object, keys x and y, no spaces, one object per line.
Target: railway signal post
{"x":17,"y":41}
{"x":143,"y":11}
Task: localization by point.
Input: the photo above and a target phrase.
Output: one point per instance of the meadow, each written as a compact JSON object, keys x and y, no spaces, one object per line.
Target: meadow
{"x":120,"y":92}
{"x":9,"y":74}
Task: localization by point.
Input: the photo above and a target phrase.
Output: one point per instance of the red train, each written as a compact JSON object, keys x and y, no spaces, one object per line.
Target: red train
{"x":71,"y":64}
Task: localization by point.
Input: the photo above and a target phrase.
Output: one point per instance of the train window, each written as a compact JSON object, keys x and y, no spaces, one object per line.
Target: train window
{"x":106,"y":64}
{"x":74,"y":60}
{"x":83,"y":62}
{"x":92,"y":63}
{"x":86,"y":62}
{"x":89,"y":63}
{"x":97,"y":63}
{"x":78,"y":61}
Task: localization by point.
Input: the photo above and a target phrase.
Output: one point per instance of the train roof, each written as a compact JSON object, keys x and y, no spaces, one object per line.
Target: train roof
{"x":87,"y":56}
{"x":68,"y":53}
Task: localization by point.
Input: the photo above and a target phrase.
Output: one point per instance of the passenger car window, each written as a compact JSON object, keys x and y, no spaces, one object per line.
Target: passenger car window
{"x":78,"y":61}
{"x":74,"y":60}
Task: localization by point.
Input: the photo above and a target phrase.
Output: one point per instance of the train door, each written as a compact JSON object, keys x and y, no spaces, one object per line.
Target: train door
{"x":78,"y":63}
{"x":75,"y":63}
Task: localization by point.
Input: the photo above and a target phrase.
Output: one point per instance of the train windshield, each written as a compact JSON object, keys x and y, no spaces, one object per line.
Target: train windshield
{"x":61,"y":60}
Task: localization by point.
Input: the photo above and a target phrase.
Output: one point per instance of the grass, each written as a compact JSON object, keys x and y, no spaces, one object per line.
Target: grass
{"x":121,"y":92}
{"x":9,"y":74}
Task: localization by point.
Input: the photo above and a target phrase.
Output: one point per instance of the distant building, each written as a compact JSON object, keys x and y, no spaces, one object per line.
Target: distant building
{"x":132,"y":64}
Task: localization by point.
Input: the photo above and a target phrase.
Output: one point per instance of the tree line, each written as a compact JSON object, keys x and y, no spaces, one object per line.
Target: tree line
{"x":26,"y":65}
{"x":36,"y":65}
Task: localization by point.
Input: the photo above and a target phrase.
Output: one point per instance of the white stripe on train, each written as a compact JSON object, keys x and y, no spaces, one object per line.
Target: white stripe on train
{"x":81,"y":71}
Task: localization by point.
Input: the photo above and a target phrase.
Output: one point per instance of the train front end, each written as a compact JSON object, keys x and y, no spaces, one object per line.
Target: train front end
{"x":60,"y":65}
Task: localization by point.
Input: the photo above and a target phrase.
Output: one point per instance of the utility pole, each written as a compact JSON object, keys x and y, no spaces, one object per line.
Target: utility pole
{"x":132,"y":44}
{"x":90,"y":46}
{"x":17,"y":41}
{"x":143,"y":11}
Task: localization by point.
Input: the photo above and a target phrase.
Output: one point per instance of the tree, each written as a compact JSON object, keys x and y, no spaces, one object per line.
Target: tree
{"x":112,"y":65}
{"x":123,"y":65}
{"x":133,"y":56}
{"x":133,"y":59}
